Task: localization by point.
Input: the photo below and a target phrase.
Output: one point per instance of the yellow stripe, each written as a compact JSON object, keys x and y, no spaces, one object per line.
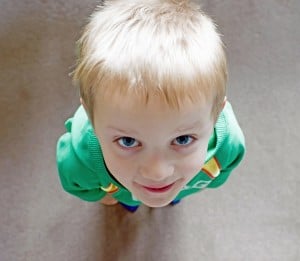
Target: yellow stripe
{"x":212,"y":168}
{"x":110,"y":189}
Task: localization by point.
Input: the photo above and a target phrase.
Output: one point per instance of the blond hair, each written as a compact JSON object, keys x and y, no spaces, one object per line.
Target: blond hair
{"x":142,"y":48}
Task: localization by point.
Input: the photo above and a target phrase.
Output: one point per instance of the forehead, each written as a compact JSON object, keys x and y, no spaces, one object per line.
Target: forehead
{"x":156,"y":113}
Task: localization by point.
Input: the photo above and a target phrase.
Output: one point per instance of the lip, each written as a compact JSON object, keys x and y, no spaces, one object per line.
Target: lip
{"x":158,"y":189}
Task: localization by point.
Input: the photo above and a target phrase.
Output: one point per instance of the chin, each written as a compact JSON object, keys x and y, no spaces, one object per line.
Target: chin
{"x":156,"y":203}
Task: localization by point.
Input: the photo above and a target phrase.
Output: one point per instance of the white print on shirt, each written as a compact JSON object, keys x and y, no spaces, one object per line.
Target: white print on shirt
{"x":201,"y":184}
{"x":134,"y":198}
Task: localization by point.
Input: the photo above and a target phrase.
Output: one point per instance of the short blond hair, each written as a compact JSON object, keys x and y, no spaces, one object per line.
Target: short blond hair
{"x":143,"y":48}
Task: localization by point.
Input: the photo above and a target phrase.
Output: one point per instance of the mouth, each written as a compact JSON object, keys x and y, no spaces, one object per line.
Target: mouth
{"x":158,"y":189}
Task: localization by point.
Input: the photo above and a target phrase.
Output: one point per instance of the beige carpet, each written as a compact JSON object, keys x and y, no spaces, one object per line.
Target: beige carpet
{"x":255,"y":216}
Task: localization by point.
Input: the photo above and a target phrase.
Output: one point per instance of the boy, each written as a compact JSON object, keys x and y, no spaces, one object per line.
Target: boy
{"x":154,"y":125}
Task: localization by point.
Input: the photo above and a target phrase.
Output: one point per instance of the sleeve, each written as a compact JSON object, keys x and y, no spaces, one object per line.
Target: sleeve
{"x":230,"y":154}
{"x":75,"y":177}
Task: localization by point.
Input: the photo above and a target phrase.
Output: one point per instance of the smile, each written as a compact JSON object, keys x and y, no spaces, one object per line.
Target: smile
{"x":159,"y":189}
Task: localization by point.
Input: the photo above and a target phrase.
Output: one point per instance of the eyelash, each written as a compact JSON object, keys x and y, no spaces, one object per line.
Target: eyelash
{"x":133,"y":147}
{"x":125,"y":147}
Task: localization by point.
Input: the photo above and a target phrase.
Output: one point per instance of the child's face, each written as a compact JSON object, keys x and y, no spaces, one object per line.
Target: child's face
{"x":152,"y":150}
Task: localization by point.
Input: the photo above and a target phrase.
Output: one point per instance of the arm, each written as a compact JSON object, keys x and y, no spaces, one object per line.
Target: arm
{"x":76,"y":178}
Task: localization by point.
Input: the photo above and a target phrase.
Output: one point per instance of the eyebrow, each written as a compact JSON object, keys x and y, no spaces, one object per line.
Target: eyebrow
{"x":179,"y":129}
{"x":189,"y":127}
{"x":123,"y":131}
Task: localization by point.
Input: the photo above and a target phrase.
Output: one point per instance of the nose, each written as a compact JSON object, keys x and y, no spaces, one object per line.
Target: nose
{"x":156,"y":168}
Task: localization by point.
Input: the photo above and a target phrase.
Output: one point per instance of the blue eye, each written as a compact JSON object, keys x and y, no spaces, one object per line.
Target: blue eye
{"x":127,"y":142}
{"x":184,"y":140}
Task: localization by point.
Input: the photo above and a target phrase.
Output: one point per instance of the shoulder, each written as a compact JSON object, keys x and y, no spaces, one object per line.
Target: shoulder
{"x":231,"y":140}
{"x":230,"y":145}
{"x":229,"y":124}
{"x":75,"y":144}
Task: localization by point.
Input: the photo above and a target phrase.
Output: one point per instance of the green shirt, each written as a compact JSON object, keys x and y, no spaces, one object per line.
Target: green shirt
{"x":83,"y":173}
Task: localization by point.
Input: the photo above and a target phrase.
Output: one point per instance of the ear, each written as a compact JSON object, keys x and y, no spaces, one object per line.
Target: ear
{"x":83,"y":104}
{"x":85,"y":108}
{"x":224,"y":102}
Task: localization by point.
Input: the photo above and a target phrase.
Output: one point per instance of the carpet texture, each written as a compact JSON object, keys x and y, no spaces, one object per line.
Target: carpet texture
{"x":253,"y":217}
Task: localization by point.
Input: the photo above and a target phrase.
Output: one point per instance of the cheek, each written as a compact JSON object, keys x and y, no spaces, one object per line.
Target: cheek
{"x":118,"y":166}
{"x":192,"y":164}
